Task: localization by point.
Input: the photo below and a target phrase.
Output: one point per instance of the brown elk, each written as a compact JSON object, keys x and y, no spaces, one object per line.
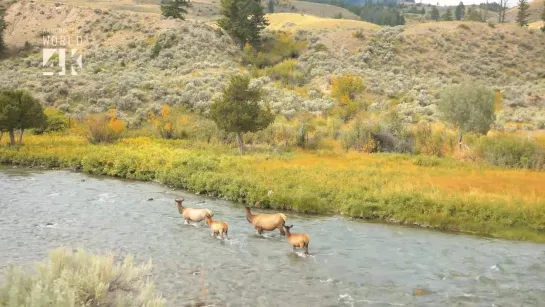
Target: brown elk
{"x":217,"y":227}
{"x":267,"y":222}
{"x":192,"y":214}
{"x":300,"y":240}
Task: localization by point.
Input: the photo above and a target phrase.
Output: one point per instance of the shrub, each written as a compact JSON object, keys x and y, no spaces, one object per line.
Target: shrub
{"x":511,"y":151}
{"x":273,"y":50}
{"x":320,"y":48}
{"x":104,"y":128}
{"x":360,"y":137}
{"x":56,"y":121}
{"x":427,"y":142}
{"x":491,"y":24}
{"x":345,"y":88}
{"x":166,"y":123}
{"x":76,"y":278}
{"x":469,"y":107}
{"x":463,"y":26}
{"x":287,"y":72}
{"x":359,"y":34}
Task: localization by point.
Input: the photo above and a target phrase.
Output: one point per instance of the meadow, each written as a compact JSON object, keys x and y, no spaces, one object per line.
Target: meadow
{"x":439,"y":193}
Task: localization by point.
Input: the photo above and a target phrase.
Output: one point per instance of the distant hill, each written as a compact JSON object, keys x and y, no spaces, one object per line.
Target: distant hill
{"x":402,"y":67}
{"x":536,"y":8}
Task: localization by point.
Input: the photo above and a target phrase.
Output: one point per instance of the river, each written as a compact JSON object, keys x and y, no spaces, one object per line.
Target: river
{"x":352,"y":263}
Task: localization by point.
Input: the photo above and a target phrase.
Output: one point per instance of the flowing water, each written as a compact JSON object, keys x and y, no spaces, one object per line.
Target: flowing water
{"x":352,"y":263}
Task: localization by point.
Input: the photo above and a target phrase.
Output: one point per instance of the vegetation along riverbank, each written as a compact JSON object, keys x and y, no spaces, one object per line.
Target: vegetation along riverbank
{"x":439,"y":193}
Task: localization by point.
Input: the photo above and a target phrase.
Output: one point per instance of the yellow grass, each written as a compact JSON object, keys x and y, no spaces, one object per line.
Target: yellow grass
{"x":536,"y":25}
{"x":293,"y":22}
{"x":438,"y":193}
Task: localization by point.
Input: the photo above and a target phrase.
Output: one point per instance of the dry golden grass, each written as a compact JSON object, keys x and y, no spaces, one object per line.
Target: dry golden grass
{"x":536,"y":25}
{"x":536,"y":7}
{"x":294,"y":22}
{"x":439,"y":193}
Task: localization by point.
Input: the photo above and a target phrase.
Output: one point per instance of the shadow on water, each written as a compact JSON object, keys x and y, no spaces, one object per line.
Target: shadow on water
{"x":351,"y":262}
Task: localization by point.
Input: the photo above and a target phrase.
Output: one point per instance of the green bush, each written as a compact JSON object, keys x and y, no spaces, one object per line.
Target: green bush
{"x":287,"y":72}
{"x":273,"y":50}
{"x":511,"y":151}
{"x":56,"y":121}
{"x":75,"y":278}
{"x":427,"y":142}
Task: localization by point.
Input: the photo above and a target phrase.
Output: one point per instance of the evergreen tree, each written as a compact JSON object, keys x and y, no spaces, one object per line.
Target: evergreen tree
{"x":447,"y":16}
{"x":174,"y":8}
{"x":238,"y":110}
{"x":2,"y":28}
{"x":435,"y":13}
{"x":460,"y":11}
{"x":243,"y":20}
{"x":543,"y":18}
{"x":271,"y":6}
{"x":522,"y":15}
{"x":474,"y":15}
{"x":19,"y":111}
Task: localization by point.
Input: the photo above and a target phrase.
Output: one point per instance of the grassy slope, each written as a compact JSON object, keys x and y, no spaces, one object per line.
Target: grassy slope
{"x":437,"y":193}
{"x":536,"y":7}
{"x":289,"y":21}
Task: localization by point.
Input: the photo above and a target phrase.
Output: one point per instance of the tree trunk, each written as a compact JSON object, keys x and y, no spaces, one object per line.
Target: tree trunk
{"x":486,"y":12}
{"x":21,"y":136}
{"x":460,"y":141}
{"x":1,"y":133}
{"x":240,"y":142}
{"x":11,"y":137}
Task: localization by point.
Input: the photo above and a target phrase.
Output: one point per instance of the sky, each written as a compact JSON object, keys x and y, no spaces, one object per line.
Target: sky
{"x":510,"y":3}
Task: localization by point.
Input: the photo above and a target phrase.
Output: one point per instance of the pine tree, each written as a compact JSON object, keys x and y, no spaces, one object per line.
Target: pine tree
{"x":447,"y":16}
{"x":2,"y":27}
{"x":435,"y":13}
{"x":474,"y":15}
{"x":522,"y":15}
{"x":271,"y":6}
{"x":543,"y":18}
{"x":243,"y":20}
{"x":238,"y":110}
{"x":175,"y":8}
{"x":460,"y":11}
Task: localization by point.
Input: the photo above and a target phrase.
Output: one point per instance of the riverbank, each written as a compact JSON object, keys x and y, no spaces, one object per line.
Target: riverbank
{"x":437,"y":193}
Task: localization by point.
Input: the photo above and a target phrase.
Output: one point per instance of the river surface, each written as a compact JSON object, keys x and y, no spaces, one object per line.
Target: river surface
{"x":352,"y":263}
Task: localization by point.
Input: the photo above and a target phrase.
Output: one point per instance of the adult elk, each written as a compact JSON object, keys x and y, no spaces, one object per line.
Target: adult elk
{"x":266,"y":222}
{"x":192,"y":214}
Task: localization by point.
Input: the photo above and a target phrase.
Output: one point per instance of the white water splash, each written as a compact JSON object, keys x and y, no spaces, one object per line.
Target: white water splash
{"x":346,"y":299}
{"x":381,"y":302}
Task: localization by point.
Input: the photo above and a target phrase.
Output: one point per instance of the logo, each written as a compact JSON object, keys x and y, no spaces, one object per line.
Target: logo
{"x":49,"y":53}
{"x":57,"y":45}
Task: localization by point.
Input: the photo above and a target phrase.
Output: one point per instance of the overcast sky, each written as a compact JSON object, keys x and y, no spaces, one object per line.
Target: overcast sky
{"x":466,"y":2}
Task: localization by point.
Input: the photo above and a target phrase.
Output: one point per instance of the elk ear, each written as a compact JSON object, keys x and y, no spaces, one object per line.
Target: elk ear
{"x":289,"y":227}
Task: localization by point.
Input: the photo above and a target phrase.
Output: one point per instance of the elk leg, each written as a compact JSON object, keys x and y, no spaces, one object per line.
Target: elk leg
{"x":306,"y":249}
{"x":186,"y":221}
{"x":259,"y":230}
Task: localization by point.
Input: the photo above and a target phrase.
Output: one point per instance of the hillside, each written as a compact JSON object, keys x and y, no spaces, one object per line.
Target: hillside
{"x":206,"y":9}
{"x":402,"y":67}
{"x":536,"y":7}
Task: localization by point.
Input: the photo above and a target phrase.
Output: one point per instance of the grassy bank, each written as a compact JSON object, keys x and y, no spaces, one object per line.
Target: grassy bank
{"x":437,"y":193}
